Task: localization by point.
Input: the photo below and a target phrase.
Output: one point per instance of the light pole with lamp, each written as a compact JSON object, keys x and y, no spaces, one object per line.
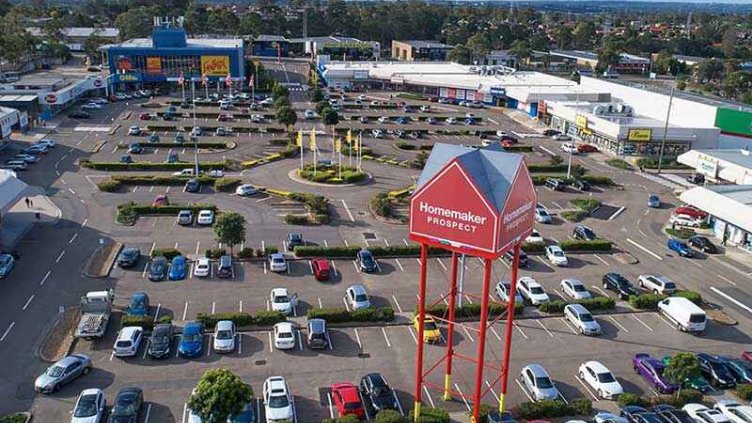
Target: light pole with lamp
{"x":195,"y":138}
{"x":665,"y":131}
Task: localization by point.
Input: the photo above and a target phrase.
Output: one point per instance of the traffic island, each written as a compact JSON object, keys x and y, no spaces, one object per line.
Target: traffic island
{"x":330,"y":175}
{"x":59,"y":339}
{"x":100,"y":263}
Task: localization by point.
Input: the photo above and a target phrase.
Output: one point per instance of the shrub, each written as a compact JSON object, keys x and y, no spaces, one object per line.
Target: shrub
{"x":581,"y":407}
{"x":681,"y":233}
{"x":210,"y":320}
{"x":632,"y":399}
{"x":554,"y":408}
{"x":548,"y":168}
{"x":109,"y":185}
{"x":598,"y":180}
{"x":245,"y":253}
{"x":533,"y":247}
{"x":744,"y":391}
{"x":586,"y":204}
{"x":390,"y":416}
{"x":381,"y":204}
{"x":226,"y":184}
{"x":573,"y":215}
{"x":583,"y":245}
{"x":215,"y":253}
{"x":296,"y":219}
{"x":168,"y":253}
{"x":378,"y":251}
{"x":165,"y":318}
{"x":270,"y":250}
{"x":14,"y":418}
{"x":688,"y":396}
{"x":619,"y":163}
{"x":268,"y":317}
{"x":126,"y":215}
{"x":144,"y":321}
{"x":155,"y":179}
{"x":150,"y":166}
{"x":650,"y":301}
{"x":471,"y":311}
{"x":341,"y":315}
{"x":667,"y":162}
{"x":402,"y":145}
{"x":430,"y":415}
{"x":596,"y":303}
{"x":693,"y":296}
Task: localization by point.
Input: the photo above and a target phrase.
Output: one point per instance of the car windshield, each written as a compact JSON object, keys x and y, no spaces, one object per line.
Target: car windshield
{"x":284,"y":335}
{"x":579,"y":288}
{"x":352,"y":405}
{"x":623,"y":284}
{"x":278,"y":401}
{"x":606,"y":377}
{"x":586,"y":317}
{"x":278,"y":260}
{"x":192,"y":337}
{"x":543,"y":382}
{"x":56,"y":371}
{"x":558,"y":253}
{"x":87,"y":406}
{"x":536,"y":290}
{"x":367,"y":258}
{"x":430,"y":325}
{"x":669,"y":285}
{"x":281,"y":299}
{"x":361,"y":298}
{"x":124,"y":409}
{"x":224,"y":334}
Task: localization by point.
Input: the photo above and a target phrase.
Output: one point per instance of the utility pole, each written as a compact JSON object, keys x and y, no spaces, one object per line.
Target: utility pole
{"x":665,"y":131}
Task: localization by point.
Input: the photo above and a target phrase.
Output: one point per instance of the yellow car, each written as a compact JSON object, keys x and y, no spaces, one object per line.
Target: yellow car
{"x":431,"y":331}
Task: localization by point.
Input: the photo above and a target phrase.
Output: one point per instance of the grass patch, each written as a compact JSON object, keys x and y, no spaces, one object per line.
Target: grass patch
{"x":681,"y":233}
{"x":13,"y":418}
{"x":585,"y":204}
{"x":573,"y":215}
{"x":330,"y":174}
{"x":619,"y":164}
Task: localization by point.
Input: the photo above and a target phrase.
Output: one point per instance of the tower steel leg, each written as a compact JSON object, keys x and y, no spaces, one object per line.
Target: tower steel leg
{"x":450,"y":329}
{"x":508,"y":331}
{"x":481,"y":341}
{"x":421,"y":316}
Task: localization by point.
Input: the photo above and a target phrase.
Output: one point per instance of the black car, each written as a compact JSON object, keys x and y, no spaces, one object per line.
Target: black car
{"x":584,"y":233}
{"x":379,"y":394}
{"x":509,"y":257}
{"x":126,"y":158}
{"x":715,"y":372}
{"x":509,"y":138}
{"x":619,"y":284}
{"x":128,"y":257}
{"x":160,"y":341}
{"x":696,"y":178}
{"x":365,"y":261}
{"x":79,"y":115}
{"x":192,"y":185}
{"x":671,"y":414}
{"x":581,"y":185}
{"x":293,"y":240}
{"x":636,"y":414}
{"x":127,"y":405}
{"x":158,"y":269}
{"x":702,"y":243}
{"x":551,"y":132}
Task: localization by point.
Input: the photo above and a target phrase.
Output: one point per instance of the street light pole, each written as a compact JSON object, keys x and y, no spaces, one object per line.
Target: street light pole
{"x":665,"y":131}
{"x":195,"y":138}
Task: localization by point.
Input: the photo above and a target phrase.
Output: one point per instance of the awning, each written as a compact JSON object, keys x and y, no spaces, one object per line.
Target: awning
{"x":721,"y":205}
{"x":11,"y":190}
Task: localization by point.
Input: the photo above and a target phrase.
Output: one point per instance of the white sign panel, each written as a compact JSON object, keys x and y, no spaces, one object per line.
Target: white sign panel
{"x":23,"y":120}
{"x":5,"y":130}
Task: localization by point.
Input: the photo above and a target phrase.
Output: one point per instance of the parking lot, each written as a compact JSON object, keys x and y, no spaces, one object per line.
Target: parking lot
{"x":354,"y":351}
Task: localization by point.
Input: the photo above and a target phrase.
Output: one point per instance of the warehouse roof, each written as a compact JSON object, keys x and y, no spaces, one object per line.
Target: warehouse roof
{"x":80,"y":32}
{"x":424,"y":44}
{"x":191,"y":43}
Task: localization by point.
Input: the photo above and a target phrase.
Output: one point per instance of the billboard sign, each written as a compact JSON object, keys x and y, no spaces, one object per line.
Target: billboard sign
{"x":518,"y":217}
{"x":708,"y":166}
{"x":581,"y":121}
{"x":215,"y":65}
{"x":732,"y":121}
{"x":639,"y":135}
{"x":154,"y":65}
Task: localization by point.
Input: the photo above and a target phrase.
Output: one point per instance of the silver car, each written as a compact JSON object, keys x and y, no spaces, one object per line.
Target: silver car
{"x":539,"y":383}
{"x":89,"y":406}
{"x":582,"y":320}
{"x":62,"y":372}
{"x":357,"y":297}
{"x":575,"y":289}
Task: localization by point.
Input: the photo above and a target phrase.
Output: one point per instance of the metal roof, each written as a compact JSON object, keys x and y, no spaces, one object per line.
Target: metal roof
{"x":18,"y":98}
{"x":699,"y":98}
{"x":424,"y":44}
{"x":732,"y":203}
{"x":191,"y":43}
{"x":81,"y":32}
{"x":493,"y":171}
{"x":327,"y":39}
{"x":264,"y":37}
{"x":735,"y":156}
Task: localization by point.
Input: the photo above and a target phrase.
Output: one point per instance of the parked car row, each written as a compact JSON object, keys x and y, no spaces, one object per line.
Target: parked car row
{"x":29,"y":155}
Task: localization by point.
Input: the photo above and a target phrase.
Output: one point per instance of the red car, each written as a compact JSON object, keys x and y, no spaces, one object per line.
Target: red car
{"x":747,"y":355}
{"x":321,"y":269}
{"x":433,"y":99}
{"x":586,"y":148}
{"x":160,"y":200}
{"x":691,"y":211}
{"x":144,"y":116}
{"x":507,"y":144}
{"x":222,"y":118}
{"x":347,"y":399}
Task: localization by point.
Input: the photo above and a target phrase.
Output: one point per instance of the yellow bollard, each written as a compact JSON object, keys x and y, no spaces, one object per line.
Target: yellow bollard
{"x":447,"y":390}
{"x":501,"y":402}
{"x":416,"y":411}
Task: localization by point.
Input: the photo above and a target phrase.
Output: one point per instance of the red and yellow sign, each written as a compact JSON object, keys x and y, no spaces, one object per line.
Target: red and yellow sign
{"x":215,"y":65}
{"x":154,"y":65}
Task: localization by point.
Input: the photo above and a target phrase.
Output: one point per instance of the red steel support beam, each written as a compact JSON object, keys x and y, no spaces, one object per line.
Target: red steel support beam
{"x":508,"y":331}
{"x":481,"y":341}
{"x":450,"y":329}
{"x":421,"y":316}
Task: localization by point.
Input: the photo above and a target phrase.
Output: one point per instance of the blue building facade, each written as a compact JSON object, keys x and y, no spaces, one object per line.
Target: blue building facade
{"x":146,"y":62}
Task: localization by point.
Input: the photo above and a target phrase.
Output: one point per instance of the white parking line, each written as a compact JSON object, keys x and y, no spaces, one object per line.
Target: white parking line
{"x":270,"y":342}
{"x":73,"y":238}
{"x":616,"y":213}
{"x":198,"y":245}
{"x":334,"y":268}
{"x":643,"y":323}
{"x":618,"y":324}
{"x":567,"y":324}
{"x":469,"y":300}
{"x":722,"y":294}
{"x":153,"y":246}
{"x":665,"y":321}
{"x":470,"y":337}
{"x":644,"y":249}
{"x":522,"y":388}
{"x":7,"y":331}
{"x":428,"y":395}
{"x":143,"y":356}
{"x":185,"y":310}
{"x":47,"y":275}
{"x":557,"y":205}
{"x":727,"y":280}
{"x":415,"y":338}
{"x":156,"y":313}
{"x":462,"y":396}
{"x":399,"y":264}
{"x":598,"y":288}
{"x":386,"y":338}
{"x":320,"y":305}
{"x":544,"y":328}
{"x":516,"y":326}
{"x":240,"y":306}
{"x":693,"y":262}
{"x":62,"y":253}
{"x":331,"y":409}
{"x":490,"y":388}
{"x":357,"y":337}
{"x":495,"y":333}
{"x":347,"y":306}
{"x":399,"y":308}
{"x":209,"y":346}
{"x":347,"y":209}
{"x":146,"y":266}
{"x":300,"y":340}
{"x":84,"y":222}
{"x":586,"y":387}
{"x":214,"y":307}
{"x":355,"y":265}
{"x":602,"y":261}
{"x":441,"y":263}
{"x":27,"y":303}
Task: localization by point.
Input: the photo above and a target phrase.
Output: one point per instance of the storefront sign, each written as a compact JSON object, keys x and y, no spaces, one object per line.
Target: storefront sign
{"x":451,"y":92}
{"x":360,"y":75}
{"x":23,"y":120}
{"x":215,"y":65}
{"x":361,"y":45}
{"x":498,"y":91}
{"x":708,"y":166}
{"x":154,"y":65}
{"x":50,"y":98}
{"x":129,"y":77}
{"x":124,"y":64}
{"x":581,"y":121}
{"x":639,"y":135}
{"x":397,"y":79}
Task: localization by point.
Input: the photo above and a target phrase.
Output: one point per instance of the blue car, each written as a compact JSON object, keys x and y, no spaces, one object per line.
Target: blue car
{"x":192,"y":340}
{"x":139,"y":305}
{"x":6,"y":264}
{"x":177,"y":268}
{"x":679,"y":247}
{"x":654,"y":202}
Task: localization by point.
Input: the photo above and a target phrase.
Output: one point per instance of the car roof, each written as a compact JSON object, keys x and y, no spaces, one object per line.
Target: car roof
{"x":68,"y":360}
{"x":203,"y":260}
{"x":279,"y":292}
{"x":573,"y":281}
{"x":224,"y":325}
{"x":348,"y":391}
{"x":554,"y":248}
{"x":178,"y":259}
{"x":597,"y":366}
{"x":128,"y":331}
{"x":529,"y":280}
{"x":537,"y":369}
{"x":192,"y":327}
{"x":91,"y":391}
{"x":162,"y":327}
{"x":139,"y":296}
{"x":277,"y":382}
{"x":277,"y":256}
{"x":358,"y":289}
{"x":577,"y":308}
{"x":287,"y":326}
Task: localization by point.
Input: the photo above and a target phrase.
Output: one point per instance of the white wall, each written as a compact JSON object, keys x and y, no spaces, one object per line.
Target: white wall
{"x":683,"y":112}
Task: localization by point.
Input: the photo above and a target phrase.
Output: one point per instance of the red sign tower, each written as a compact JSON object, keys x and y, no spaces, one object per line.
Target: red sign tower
{"x":478,"y":202}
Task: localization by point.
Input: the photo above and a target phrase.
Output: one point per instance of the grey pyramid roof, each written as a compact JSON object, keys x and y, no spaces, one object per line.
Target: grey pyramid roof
{"x":492,"y":170}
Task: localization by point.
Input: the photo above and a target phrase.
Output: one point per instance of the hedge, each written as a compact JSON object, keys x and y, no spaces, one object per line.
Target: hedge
{"x":650,"y":301}
{"x":681,"y":233}
{"x":390,"y":416}
{"x":168,"y":253}
{"x":352,"y":250}
{"x":187,"y":144}
{"x":667,"y":163}
{"x":109,"y":185}
{"x":533,"y":247}
{"x":125,"y":214}
{"x":168,"y":209}
{"x":400,"y":193}
{"x":290,"y":151}
{"x":341,"y":315}
{"x":683,"y":397}
{"x":573,"y":215}
{"x":296,"y":219}
{"x":585,"y":204}
{"x":430,"y":415}
{"x":402,"y":145}
{"x":593,"y":179}
{"x":117,"y":166}
{"x":215,"y":253}
{"x":263,"y":318}
{"x":226,"y":184}
{"x":554,"y":408}
{"x":573,"y":245}
{"x":619,"y":163}
{"x":473,"y":310}
{"x":155,"y":179}
{"x":549,"y":168}
{"x":595,"y":303}
{"x":744,"y":391}
{"x":145,"y":322}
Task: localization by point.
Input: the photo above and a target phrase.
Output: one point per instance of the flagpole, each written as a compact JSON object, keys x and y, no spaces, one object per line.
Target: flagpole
{"x":206,"y":87}
{"x":301,"y":149}
{"x":339,"y":153}
{"x":349,"y":153}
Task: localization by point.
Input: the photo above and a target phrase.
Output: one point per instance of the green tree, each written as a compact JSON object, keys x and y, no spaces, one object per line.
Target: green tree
{"x":521,"y":50}
{"x":563,"y":37}
{"x":219,"y":394}
{"x":709,"y":70}
{"x":390,"y":416}
{"x":479,"y":46}
{"x":195,"y":18}
{"x":92,"y":43}
{"x":583,"y":35}
{"x":329,"y":117}
{"x":460,"y":54}
{"x":4,"y":7}
{"x":230,"y":229}
{"x":280,"y":91}
{"x":282,"y":102}
{"x":286,"y":116}
{"x":681,"y":367}
{"x":316,"y":95}
{"x":136,"y":23}
{"x":222,"y":21}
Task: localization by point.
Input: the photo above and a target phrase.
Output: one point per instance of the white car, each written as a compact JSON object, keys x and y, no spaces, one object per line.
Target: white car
{"x":216,"y":173}
{"x":503,"y":289}
{"x":657,"y":284}
{"x":470,"y":115}
{"x":543,"y":216}
{"x":280,"y":300}
{"x":362,"y":97}
{"x":561,"y":137}
{"x":267,"y":101}
{"x":605,"y":417}
{"x":257,"y":118}
{"x":99,"y":100}
{"x":539,"y":383}
{"x":535,"y":237}
{"x":284,"y":336}
{"x":556,"y":256}
{"x":245,"y":190}
{"x":202,"y":268}
{"x":582,"y":319}
{"x":383,"y":119}
{"x":91,"y":106}
{"x":277,"y":262}
{"x":46,"y":142}
{"x":278,"y":401}
{"x":89,"y":407}
{"x":575,"y":289}
{"x":702,"y":414}
{"x":309,"y":114}
{"x":377,"y":133}
{"x":425,"y":108}
{"x":735,"y":412}
{"x":224,"y":336}
{"x":357,"y":297}
{"x":128,"y":341}
{"x":601,"y":380}
{"x":205,"y":217}
{"x":450,"y":120}
{"x":532,"y":291}
{"x":569,"y":147}
{"x":684,"y":220}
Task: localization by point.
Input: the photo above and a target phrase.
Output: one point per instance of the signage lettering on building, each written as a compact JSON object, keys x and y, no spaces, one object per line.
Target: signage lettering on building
{"x":124,"y":64}
{"x":50,"y":98}
{"x":708,"y":166}
{"x":128,"y":77}
{"x":154,"y":65}
{"x":581,"y":121}
{"x":215,"y":65}
{"x":347,"y":44}
{"x":498,"y":91}
{"x":639,"y":135}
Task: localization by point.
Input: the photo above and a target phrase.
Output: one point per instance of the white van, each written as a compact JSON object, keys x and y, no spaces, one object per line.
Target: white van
{"x":184,"y":172}
{"x":686,"y":314}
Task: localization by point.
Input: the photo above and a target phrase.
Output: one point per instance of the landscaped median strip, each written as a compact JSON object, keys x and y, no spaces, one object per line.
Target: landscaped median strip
{"x":128,"y":213}
{"x":117,"y":166}
{"x":290,"y":151}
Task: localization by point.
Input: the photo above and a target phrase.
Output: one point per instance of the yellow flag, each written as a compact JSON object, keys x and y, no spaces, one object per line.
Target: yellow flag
{"x":312,"y":145}
{"x":356,"y":146}
{"x":299,"y":139}
{"x":349,"y":137}
{"x":337,"y":144}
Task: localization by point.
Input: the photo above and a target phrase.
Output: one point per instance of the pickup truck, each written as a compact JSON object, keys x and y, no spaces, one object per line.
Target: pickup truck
{"x":96,"y":308}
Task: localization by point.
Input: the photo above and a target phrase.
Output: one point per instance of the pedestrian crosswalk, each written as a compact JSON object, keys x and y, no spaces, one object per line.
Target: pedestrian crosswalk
{"x":662,"y":181}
